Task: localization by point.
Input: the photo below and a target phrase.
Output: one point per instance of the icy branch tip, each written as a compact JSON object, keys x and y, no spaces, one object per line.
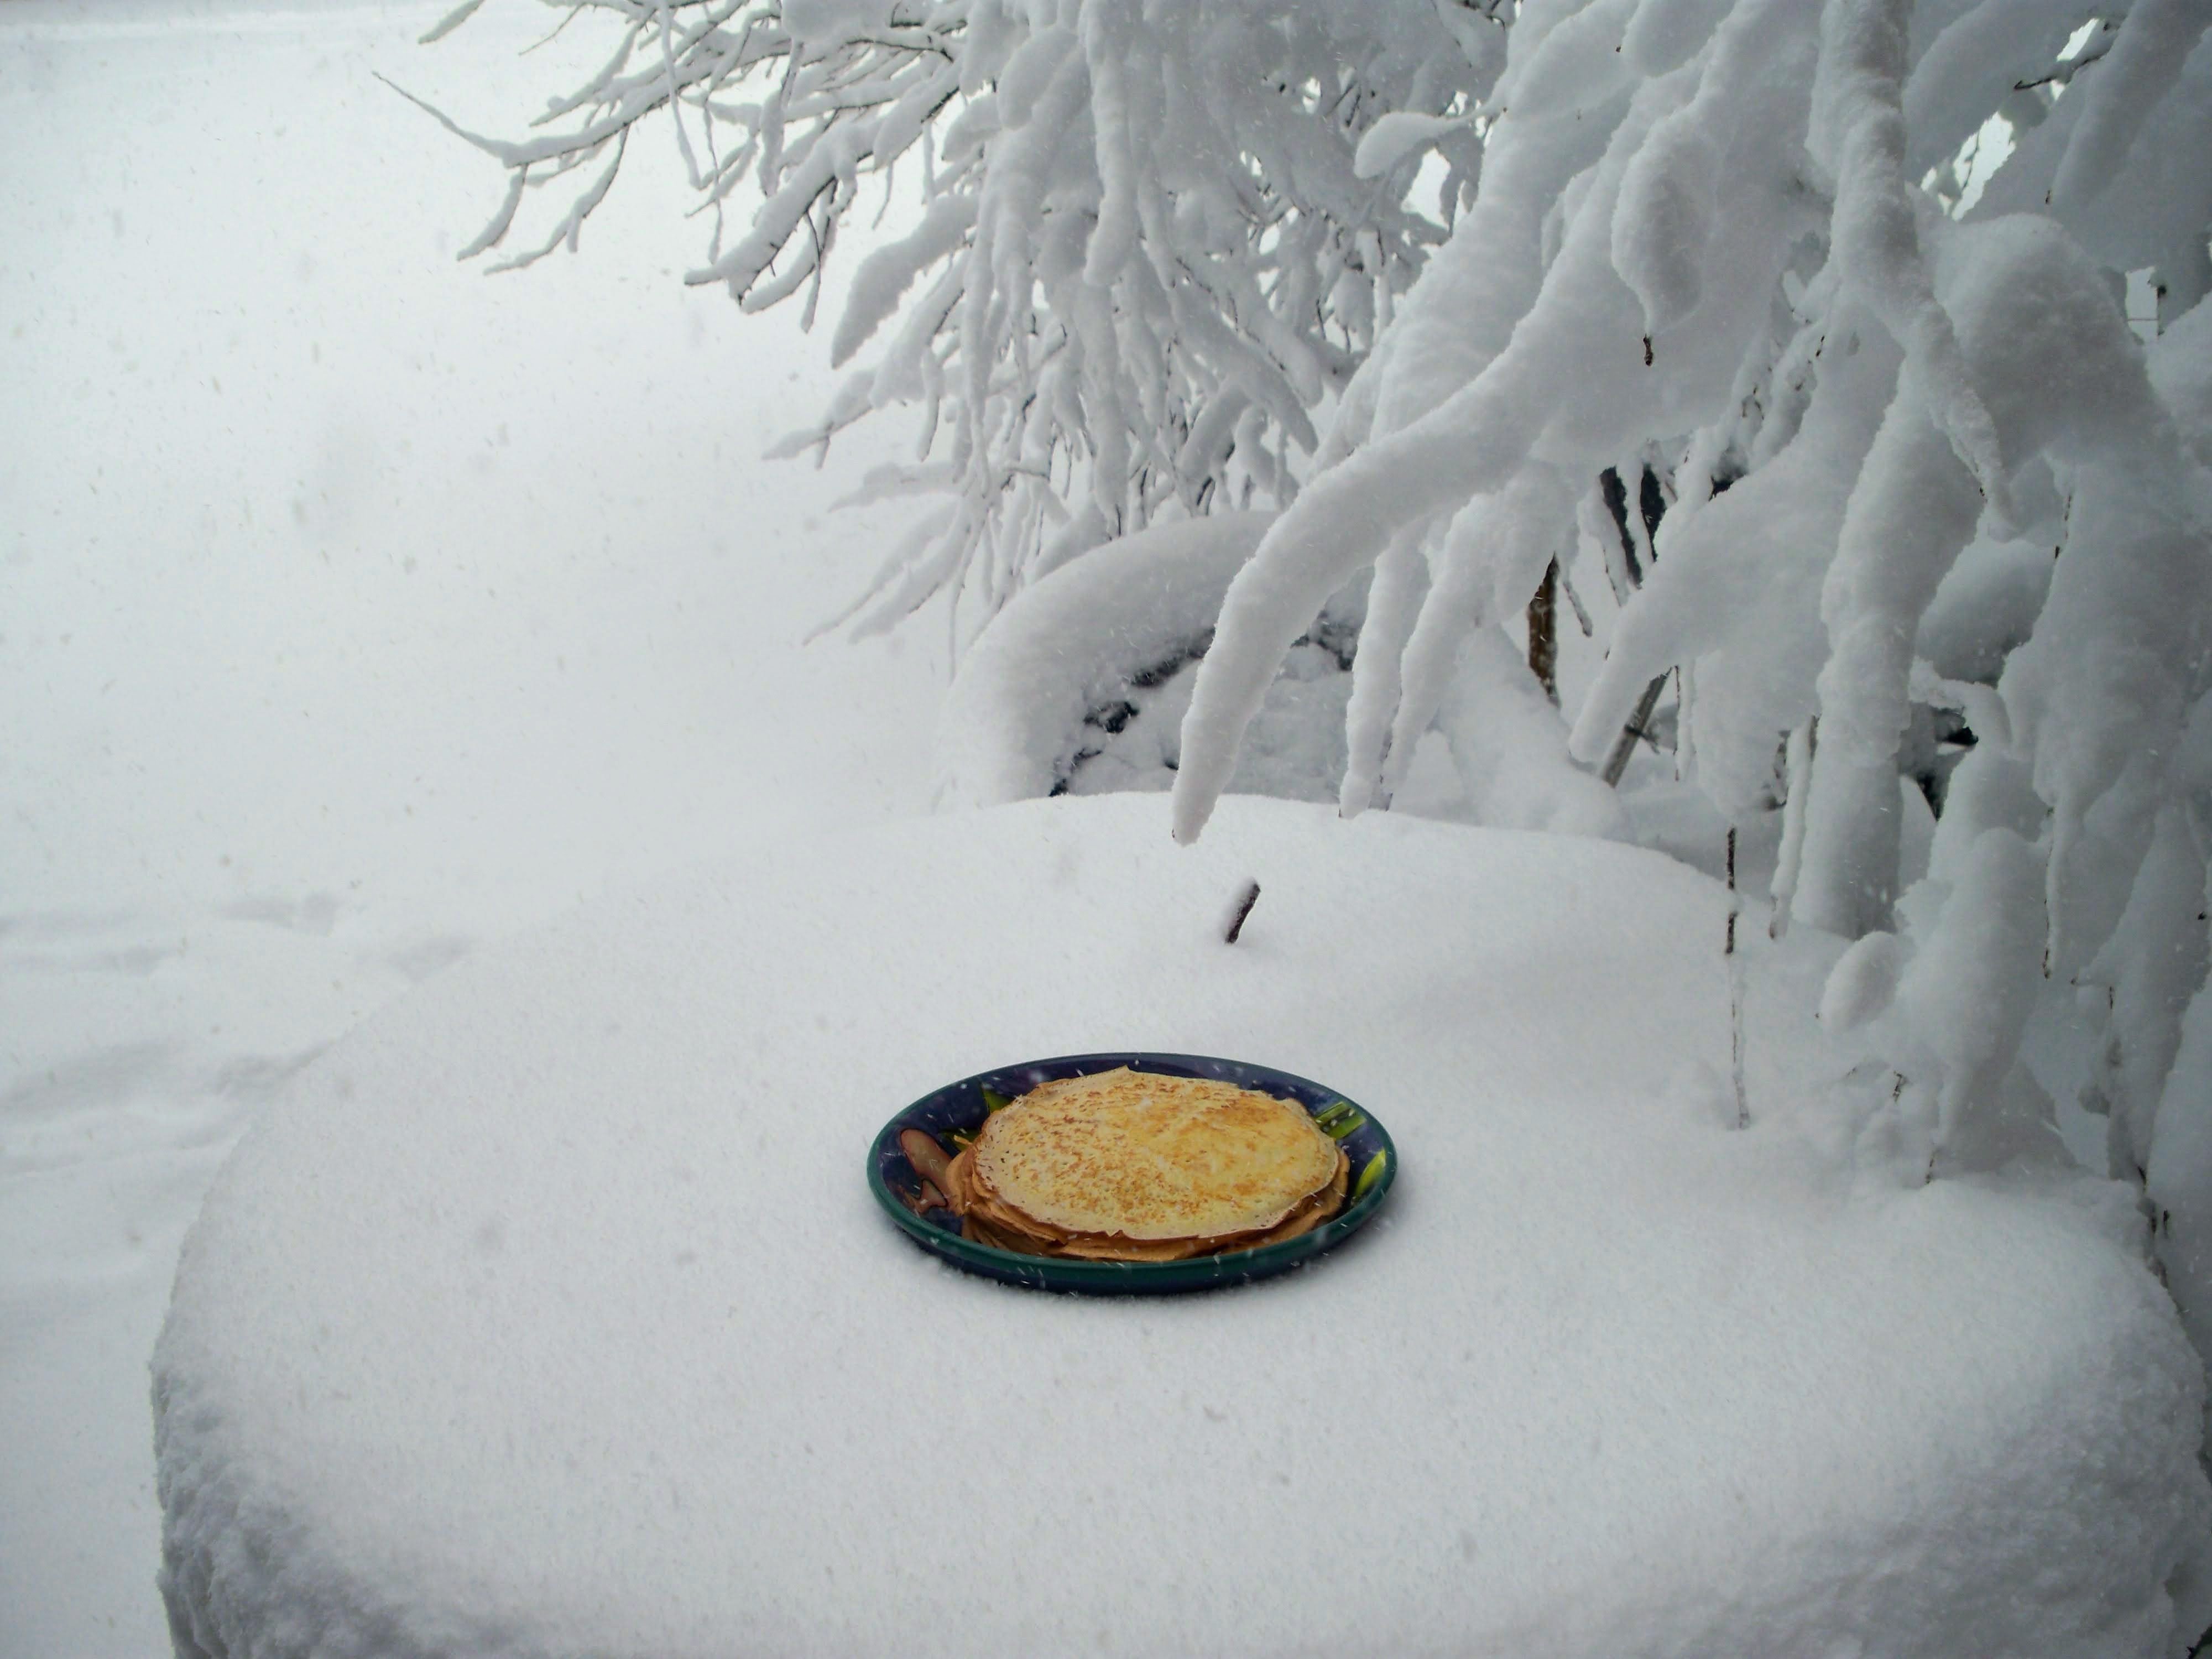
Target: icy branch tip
{"x":1233,"y":918}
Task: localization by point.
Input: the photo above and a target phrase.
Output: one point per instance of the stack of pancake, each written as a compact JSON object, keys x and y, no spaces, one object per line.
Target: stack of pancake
{"x":1132,"y":1166}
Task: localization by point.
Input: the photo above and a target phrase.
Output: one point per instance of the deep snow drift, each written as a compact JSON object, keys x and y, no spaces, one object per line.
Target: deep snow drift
{"x":552,"y":1315}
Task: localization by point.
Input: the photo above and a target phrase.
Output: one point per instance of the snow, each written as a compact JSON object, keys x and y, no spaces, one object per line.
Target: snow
{"x":1509,"y":748}
{"x":1863,"y":982}
{"x":2145,"y":62}
{"x":1162,"y":262}
{"x":2180,"y":367}
{"x":1967,"y":61}
{"x":2180,"y":1174}
{"x":1396,"y":135}
{"x":886,"y":273}
{"x":2150,"y":210}
{"x":1761,"y":642}
{"x":823,"y":22}
{"x":551,"y":1314}
{"x":347,"y":627}
{"x":1859,"y":134}
{"x":338,"y":639}
{"x":2149,"y":987}
{"x":1865,"y":418}
{"x":1545,"y":353}
{"x":1396,"y":593}
{"x":1664,"y":219}
{"x":1967,"y":992}
{"x":1494,"y":552}
{"x":1663,"y":33}
{"x":1986,"y":605}
{"x":1914,"y":507}
{"x":1011,"y":725}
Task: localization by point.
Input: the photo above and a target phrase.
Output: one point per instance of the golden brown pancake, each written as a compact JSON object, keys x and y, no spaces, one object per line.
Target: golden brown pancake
{"x":1124,"y":1166}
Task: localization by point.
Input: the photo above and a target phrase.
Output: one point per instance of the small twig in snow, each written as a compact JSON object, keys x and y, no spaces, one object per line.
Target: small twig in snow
{"x":1736,"y":992}
{"x":1247,"y":896}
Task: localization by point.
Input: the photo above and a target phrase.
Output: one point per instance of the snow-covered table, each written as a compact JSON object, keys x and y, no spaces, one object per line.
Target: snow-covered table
{"x":551,"y":1316}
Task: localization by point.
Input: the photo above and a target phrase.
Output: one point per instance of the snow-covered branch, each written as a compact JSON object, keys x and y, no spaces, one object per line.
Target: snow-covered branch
{"x":1146,"y":252}
{"x":1723,"y":239}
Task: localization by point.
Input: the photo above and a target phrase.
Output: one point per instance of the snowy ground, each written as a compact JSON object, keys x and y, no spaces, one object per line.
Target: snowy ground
{"x":354,"y":608}
{"x":551,"y":1316}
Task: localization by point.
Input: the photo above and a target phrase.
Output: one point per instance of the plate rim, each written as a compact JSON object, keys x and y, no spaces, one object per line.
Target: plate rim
{"x":1223,"y":1268}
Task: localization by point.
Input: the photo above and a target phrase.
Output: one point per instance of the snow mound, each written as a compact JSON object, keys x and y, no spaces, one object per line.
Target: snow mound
{"x":549,"y":1314}
{"x":1080,"y":684}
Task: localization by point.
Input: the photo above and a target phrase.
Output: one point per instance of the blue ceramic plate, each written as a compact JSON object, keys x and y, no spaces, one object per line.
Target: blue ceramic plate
{"x":953,"y":1113}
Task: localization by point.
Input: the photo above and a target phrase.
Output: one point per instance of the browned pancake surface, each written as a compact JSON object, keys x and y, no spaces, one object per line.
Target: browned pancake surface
{"x":1169,"y":1165}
